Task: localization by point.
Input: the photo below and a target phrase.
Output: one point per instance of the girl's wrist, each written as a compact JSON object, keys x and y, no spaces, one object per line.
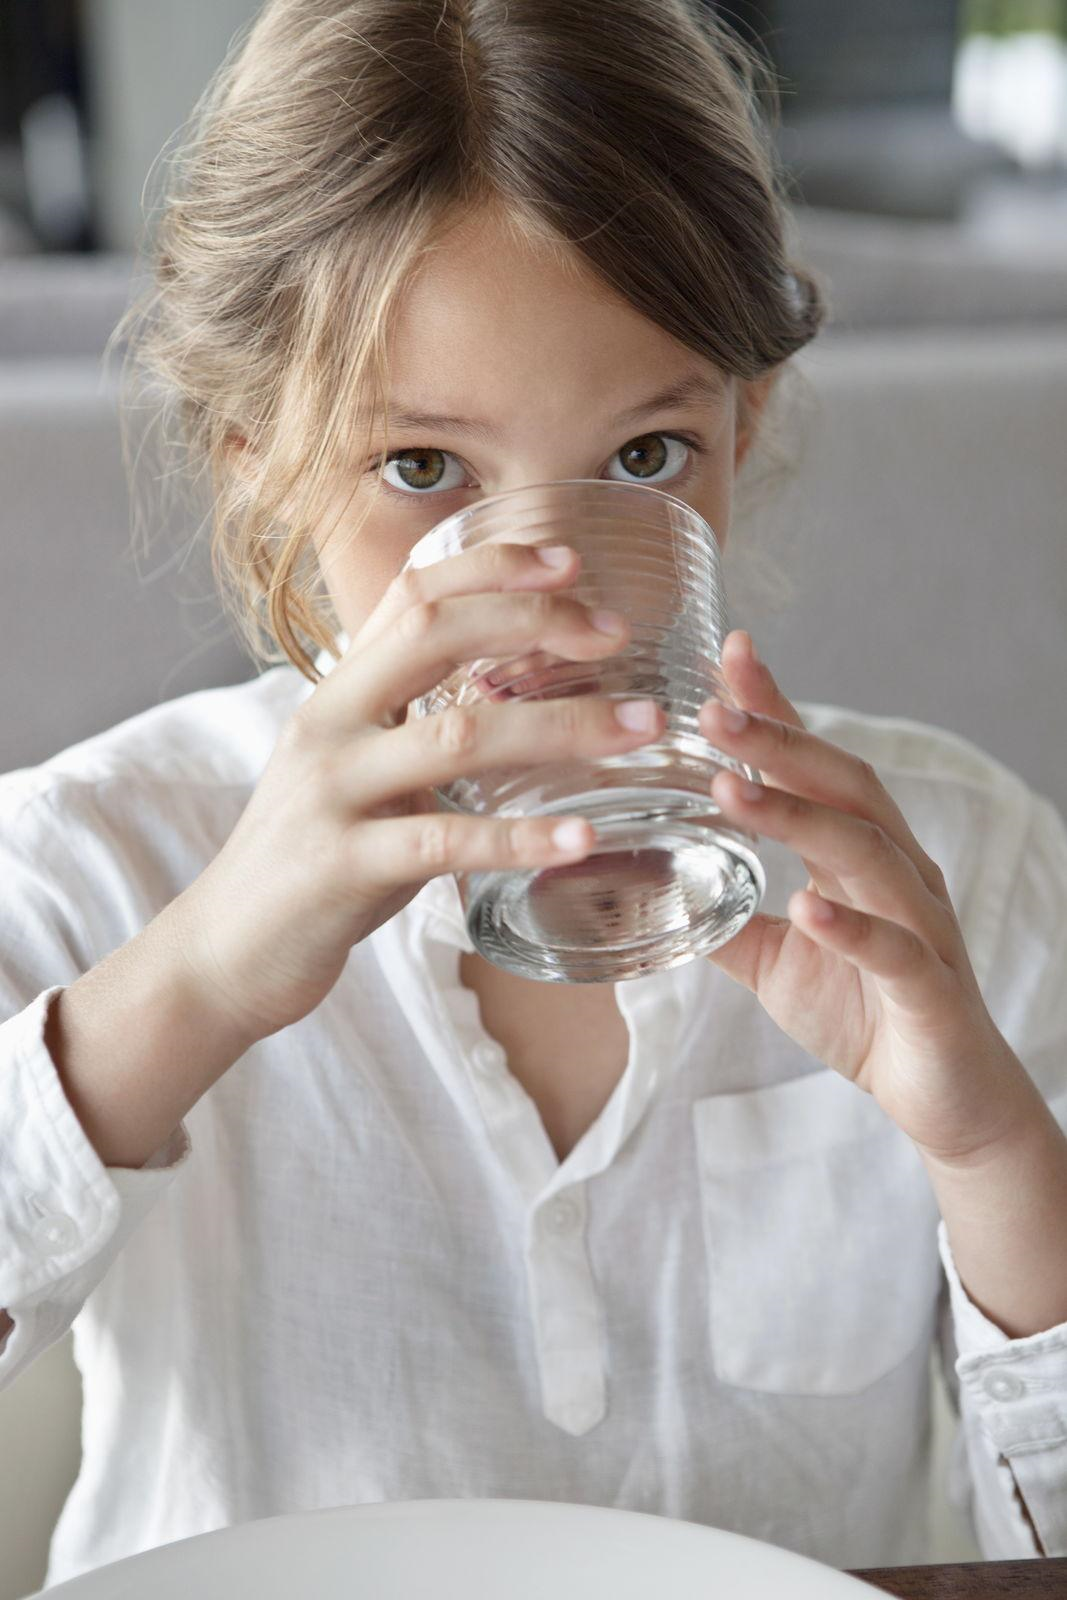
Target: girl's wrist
{"x":1003,"y":1208}
{"x":1019,"y":1119}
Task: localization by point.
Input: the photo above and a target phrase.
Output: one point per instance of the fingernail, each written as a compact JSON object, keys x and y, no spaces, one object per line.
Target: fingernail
{"x":733,"y":721}
{"x":607,"y":621}
{"x":639,"y":716}
{"x":571,"y":835}
{"x":554,"y":555}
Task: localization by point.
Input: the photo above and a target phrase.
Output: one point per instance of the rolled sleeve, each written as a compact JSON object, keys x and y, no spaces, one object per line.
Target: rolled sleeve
{"x":1013,"y":1411}
{"x":64,"y":1216}
{"x":1010,"y":1460}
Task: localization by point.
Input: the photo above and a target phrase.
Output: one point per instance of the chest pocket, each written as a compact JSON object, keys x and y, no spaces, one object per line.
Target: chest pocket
{"x":820,"y":1228}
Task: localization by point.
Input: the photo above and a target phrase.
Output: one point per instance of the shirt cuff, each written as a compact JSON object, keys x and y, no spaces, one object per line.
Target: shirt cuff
{"x":1016,"y":1389}
{"x":59,"y":1205}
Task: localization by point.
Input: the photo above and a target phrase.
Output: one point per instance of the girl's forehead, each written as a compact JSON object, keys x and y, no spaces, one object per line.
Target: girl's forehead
{"x":486,"y":307}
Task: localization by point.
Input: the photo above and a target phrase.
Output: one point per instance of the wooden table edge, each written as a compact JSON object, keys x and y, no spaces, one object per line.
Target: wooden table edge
{"x":1033,"y":1578}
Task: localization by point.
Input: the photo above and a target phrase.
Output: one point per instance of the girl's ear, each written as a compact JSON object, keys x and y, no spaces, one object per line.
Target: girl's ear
{"x":241,"y":458}
{"x":244,"y":461}
{"x":235,"y":448}
{"x":752,"y":397}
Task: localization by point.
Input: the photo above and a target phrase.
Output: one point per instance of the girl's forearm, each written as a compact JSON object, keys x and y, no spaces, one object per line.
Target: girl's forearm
{"x":1005,"y":1211}
{"x":136,"y":1043}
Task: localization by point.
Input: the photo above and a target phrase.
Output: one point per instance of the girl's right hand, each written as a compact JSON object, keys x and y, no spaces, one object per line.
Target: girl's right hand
{"x":343,"y":828}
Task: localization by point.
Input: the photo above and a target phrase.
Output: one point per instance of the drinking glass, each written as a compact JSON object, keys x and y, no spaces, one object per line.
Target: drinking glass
{"x":668,"y":878}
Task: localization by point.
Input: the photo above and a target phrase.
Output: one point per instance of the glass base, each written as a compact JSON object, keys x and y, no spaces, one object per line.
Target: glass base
{"x":666,"y":882}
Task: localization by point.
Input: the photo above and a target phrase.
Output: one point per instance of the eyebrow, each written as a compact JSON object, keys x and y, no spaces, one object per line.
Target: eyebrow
{"x":686,"y":391}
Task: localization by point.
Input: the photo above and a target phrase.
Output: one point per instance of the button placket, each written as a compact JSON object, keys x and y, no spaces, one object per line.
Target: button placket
{"x":568,"y":1326}
{"x":561,"y":1216}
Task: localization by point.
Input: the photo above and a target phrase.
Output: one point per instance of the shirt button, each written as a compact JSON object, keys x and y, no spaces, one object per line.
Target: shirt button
{"x":487,"y":1057}
{"x":1003,"y":1385}
{"x":54,"y":1233}
{"x":562,"y":1217}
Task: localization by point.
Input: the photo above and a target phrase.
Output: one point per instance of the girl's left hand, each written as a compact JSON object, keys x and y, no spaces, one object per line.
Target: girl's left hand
{"x":883,"y":992}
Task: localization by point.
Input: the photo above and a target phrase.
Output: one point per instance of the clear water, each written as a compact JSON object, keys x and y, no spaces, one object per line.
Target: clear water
{"x":669,"y":878}
{"x":667,"y":881}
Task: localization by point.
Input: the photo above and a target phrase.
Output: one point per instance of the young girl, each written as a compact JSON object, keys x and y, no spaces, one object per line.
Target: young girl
{"x":340,"y":1212}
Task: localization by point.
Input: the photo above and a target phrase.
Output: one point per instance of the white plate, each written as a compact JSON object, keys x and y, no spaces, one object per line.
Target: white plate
{"x":467,"y":1550}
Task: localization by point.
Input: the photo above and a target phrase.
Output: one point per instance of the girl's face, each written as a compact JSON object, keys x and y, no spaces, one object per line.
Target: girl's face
{"x":524,"y":371}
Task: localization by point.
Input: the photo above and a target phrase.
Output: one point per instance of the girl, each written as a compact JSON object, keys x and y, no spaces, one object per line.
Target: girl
{"x":340,"y":1212}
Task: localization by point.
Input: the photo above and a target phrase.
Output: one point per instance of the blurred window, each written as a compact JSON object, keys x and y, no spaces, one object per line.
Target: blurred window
{"x":1010,"y":77}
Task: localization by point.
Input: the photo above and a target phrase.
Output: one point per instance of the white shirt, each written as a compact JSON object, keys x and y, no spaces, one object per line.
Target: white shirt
{"x":358,"y":1272}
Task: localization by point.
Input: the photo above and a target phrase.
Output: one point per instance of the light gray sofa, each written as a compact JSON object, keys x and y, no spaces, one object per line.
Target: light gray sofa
{"x":887,"y":273}
{"x":911,"y":561}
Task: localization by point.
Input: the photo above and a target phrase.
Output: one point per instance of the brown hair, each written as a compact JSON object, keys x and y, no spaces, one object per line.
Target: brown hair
{"x":337,"y":142}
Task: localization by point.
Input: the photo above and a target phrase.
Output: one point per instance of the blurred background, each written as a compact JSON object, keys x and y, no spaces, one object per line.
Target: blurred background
{"x":925,"y":109}
{"x":905,"y":554}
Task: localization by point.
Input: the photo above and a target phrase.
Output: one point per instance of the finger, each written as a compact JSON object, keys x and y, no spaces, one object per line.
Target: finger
{"x":789,"y":758}
{"x":755,"y":691}
{"x":396,"y":851}
{"x":879,"y":877}
{"x":465,"y":740}
{"x":488,"y":568}
{"x":430,"y":640}
{"x":757,"y":949}
{"x":521,"y":675}
{"x":908,"y":968}
{"x":751,"y":681}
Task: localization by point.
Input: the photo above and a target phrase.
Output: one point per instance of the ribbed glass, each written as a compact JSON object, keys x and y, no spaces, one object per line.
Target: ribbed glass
{"x":669,"y":878}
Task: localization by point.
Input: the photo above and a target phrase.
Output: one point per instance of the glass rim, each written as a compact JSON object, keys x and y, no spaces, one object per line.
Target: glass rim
{"x":448,"y":524}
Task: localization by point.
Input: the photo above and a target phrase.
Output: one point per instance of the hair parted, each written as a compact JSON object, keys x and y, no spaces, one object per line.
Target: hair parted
{"x":334,"y":147}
